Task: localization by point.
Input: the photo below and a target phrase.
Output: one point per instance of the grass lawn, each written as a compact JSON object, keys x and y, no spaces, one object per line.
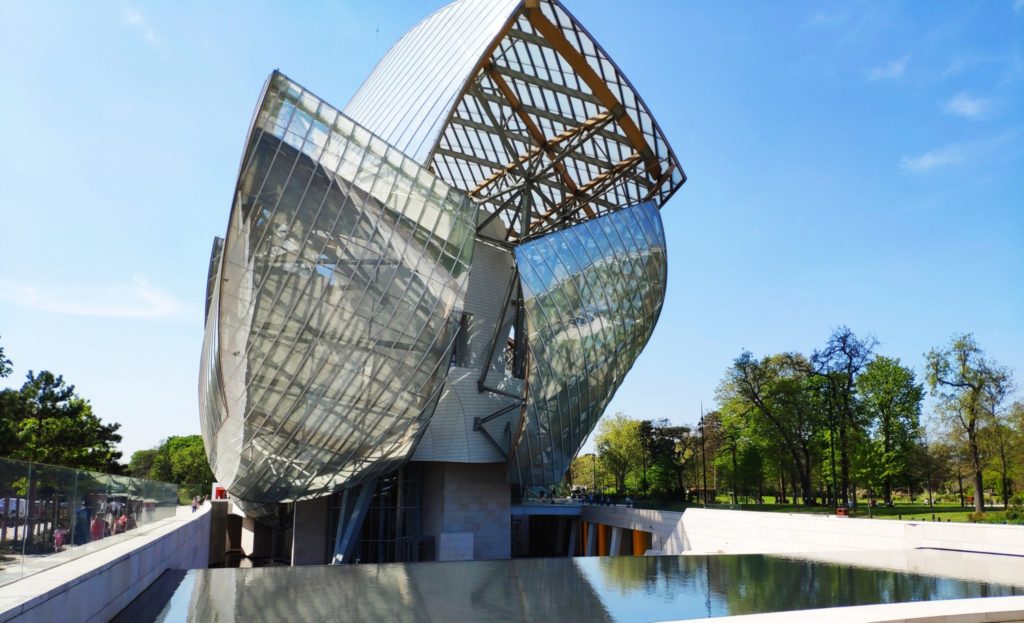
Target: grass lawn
{"x":905,"y":511}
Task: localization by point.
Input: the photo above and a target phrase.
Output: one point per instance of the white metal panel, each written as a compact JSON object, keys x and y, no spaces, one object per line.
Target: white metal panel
{"x":408,"y":96}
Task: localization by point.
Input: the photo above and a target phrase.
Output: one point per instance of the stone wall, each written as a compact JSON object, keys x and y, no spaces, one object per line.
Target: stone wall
{"x":462,"y":498}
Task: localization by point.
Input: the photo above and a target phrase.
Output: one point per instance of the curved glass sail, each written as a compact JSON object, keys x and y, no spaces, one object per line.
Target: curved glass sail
{"x":333,"y":314}
{"x":592,"y":295}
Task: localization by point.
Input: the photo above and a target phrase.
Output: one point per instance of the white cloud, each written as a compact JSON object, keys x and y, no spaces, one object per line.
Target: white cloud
{"x":943,"y":156}
{"x":957,"y":153}
{"x":135,"y":20}
{"x":140,"y":299}
{"x":829,"y":19}
{"x":893,"y":70}
{"x":964,"y":105}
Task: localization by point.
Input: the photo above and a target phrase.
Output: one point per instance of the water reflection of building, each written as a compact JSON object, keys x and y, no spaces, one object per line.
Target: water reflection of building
{"x":522,"y":590}
{"x":424,"y":302}
{"x":652,"y":588}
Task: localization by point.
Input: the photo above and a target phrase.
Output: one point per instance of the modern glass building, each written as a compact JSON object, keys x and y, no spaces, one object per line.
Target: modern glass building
{"x":424,"y":301}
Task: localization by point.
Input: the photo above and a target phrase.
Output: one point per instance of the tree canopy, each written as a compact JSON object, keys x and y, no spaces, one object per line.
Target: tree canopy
{"x":842,"y":423}
{"x":181,"y":460}
{"x":45,"y":421}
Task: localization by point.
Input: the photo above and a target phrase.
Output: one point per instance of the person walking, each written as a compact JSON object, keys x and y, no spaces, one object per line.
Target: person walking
{"x":98,"y":529}
{"x":195,"y":503}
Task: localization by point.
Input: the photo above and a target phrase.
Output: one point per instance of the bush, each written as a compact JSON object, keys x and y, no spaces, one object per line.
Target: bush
{"x":976,"y":517}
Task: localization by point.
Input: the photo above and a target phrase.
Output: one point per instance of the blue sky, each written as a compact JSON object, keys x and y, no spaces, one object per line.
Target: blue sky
{"x":850,"y":163}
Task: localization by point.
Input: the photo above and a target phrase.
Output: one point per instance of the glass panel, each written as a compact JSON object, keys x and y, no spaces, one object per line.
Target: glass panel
{"x":343,"y":297}
{"x":587,"y":322}
{"x":53,"y":514}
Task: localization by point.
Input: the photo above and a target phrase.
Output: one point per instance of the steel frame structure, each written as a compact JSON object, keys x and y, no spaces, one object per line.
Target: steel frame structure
{"x":528,"y":139}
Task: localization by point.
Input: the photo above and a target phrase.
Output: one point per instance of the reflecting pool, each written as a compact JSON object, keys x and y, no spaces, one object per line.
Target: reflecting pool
{"x":655,"y":588}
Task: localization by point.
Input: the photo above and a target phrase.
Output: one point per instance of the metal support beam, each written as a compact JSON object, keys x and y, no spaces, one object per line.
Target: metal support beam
{"x":591,"y":540}
{"x":574,"y":526}
{"x":481,"y":383}
{"x":616,"y":541}
{"x":350,"y":522}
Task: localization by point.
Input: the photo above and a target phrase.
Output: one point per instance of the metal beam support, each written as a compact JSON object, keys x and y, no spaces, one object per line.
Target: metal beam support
{"x":350,"y":523}
{"x":574,"y":526}
{"x":616,"y":541}
{"x":481,"y":383}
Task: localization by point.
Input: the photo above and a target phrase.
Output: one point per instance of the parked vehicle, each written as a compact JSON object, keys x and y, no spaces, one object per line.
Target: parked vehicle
{"x":12,"y":508}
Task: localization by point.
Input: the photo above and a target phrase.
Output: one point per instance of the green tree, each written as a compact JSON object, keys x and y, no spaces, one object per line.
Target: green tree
{"x":776,"y":390}
{"x":999,"y":437}
{"x":619,"y":447}
{"x":839,"y":363}
{"x":46,"y":422}
{"x":891,"y":398}
{"x":964,"y":380}
{"x":181,"y":460}
{"x":6,"y":367}
{"x":587,"y":471}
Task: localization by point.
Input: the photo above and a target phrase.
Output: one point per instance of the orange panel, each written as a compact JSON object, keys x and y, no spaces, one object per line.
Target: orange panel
{"x":641,"y":542}
{"x":602,"y":539}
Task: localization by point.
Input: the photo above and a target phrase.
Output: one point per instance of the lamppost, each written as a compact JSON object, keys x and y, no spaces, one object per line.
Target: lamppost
{"x":703,"y":461}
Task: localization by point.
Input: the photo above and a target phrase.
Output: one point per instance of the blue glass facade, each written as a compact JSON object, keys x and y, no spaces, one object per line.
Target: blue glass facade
{"x":592,"y":295}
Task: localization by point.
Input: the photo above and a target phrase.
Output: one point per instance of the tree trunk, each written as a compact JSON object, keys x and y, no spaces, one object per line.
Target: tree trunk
{"x":887,"y":490}
{"x":1006,"y":488}
{"x":844,"y":464}
{"x":960,"y":484}
{"x":734,"y":478}
{"x":979,"y":482}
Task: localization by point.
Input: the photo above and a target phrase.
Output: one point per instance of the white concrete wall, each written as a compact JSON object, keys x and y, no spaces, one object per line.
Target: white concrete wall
{"x":707,"y":531}
{"x":739,"y":532}
{"x":97,"y":586}
{"x":666,"y":527}
{"x":979,"y":610}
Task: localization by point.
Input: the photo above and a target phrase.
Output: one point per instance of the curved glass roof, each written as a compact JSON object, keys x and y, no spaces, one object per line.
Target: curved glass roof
{"x":515,"y":103}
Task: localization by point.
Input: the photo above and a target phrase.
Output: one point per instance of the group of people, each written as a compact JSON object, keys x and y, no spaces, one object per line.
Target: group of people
{"x":113,"y":518}
{"x":602,"y":499}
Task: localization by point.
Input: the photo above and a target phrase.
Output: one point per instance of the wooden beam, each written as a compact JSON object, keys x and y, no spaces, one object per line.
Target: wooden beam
{"x":598,"y":86}
{"x":549,"y":147}
{"x":531,"y":126}
{"x":598,"y":180}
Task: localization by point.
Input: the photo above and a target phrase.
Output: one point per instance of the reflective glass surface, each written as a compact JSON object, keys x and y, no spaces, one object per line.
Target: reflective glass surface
{"x":621,"y":589}
{"x":592,"y":295}
{"x":50,"y":515}
{"x":333,"y":314}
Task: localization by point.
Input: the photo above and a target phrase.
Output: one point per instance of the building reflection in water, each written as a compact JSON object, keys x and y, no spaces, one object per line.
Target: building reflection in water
{"x":590,"y":589}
